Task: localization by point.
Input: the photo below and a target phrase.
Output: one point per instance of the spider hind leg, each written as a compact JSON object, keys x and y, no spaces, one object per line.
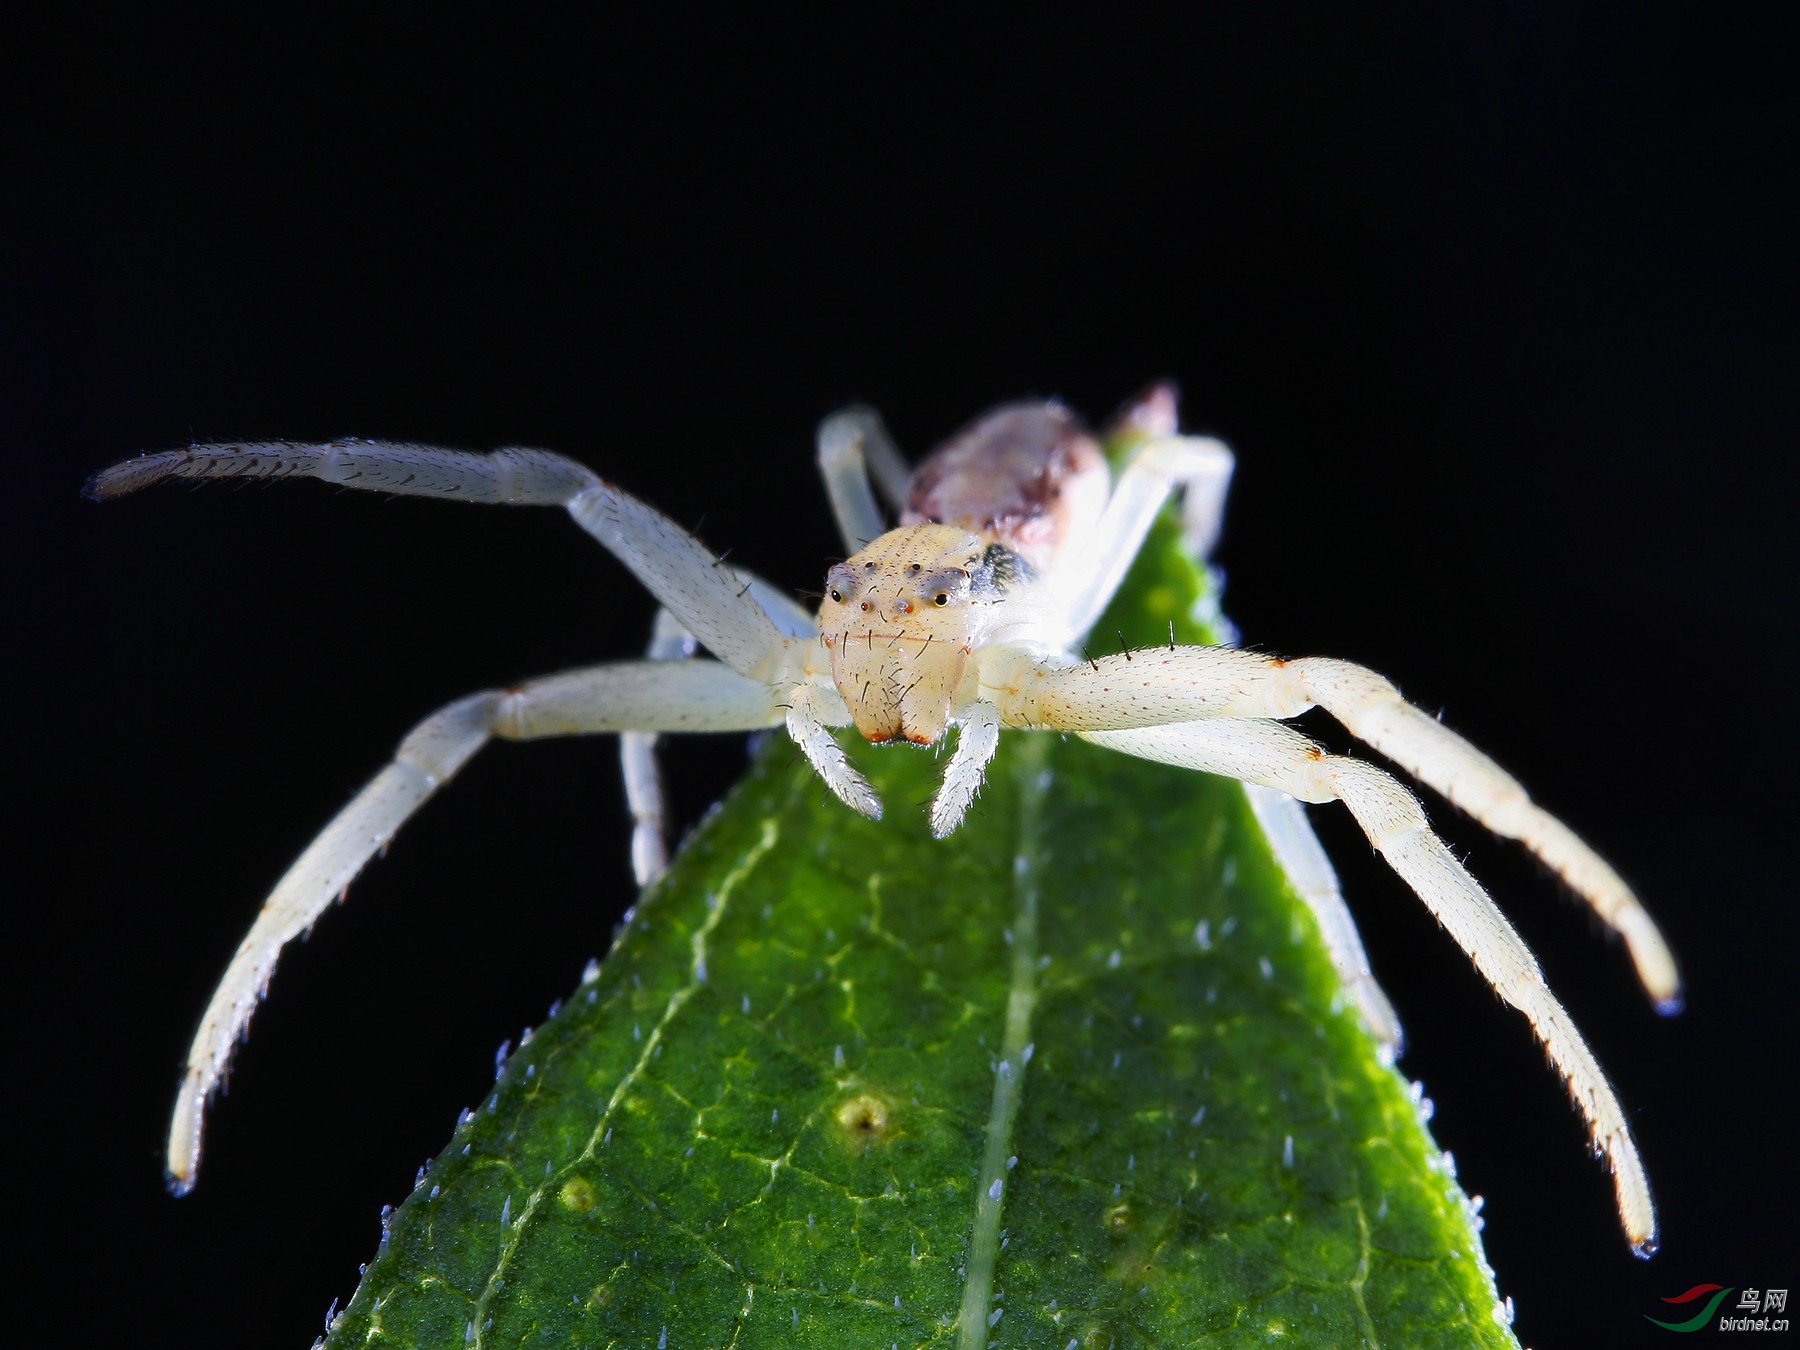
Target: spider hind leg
{"x":1276,"y":756}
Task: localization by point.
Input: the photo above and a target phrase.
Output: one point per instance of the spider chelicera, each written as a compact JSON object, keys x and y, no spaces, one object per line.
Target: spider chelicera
{"x":1011,"y":539}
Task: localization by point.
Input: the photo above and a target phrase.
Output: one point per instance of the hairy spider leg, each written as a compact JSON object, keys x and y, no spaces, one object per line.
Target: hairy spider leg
{"x":1164,"y":686}
{"x":977,"y":739}
{"x":514,"y":476}
{"x":1279,"y":757}
{"x":709,"y":599}
{"x":627,"y":696}
{"x":811,"y":710}
{"x":1373,"y":711}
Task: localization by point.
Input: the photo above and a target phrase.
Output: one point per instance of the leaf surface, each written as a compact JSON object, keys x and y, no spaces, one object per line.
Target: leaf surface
{"x":1078,"y":1077}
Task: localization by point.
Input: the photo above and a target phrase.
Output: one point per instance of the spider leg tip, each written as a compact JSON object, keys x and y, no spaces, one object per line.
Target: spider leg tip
{"x":1670,"y":1006}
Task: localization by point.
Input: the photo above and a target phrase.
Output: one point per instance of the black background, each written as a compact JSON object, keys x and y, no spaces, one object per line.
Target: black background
{"x":1496,"y":303}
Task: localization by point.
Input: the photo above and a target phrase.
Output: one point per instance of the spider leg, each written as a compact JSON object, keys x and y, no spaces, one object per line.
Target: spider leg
{"x":515,"y":477}
{"x":710,"y":600}
{"x":811,"y":709}
{"x":1313,"y":878}
{"x":1374,"y":711}
{"x":854,"y":447}
{"x":1160,"y":686}
{"x":636,"y":695}
{"x":669,"y":641}
{"x":1277,"y":756}
{"x":977,"y":739}
{"x":1086,"y":577}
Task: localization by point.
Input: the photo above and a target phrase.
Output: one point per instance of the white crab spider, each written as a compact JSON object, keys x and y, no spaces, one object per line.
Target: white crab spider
{"x":1012,"y":540}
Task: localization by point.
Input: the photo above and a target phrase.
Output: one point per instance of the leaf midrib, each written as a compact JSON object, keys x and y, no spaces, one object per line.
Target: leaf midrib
{"x":1009,"y":1075}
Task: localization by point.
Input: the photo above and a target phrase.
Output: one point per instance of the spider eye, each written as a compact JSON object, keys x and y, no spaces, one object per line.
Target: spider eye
{"x":865,"y":605}
{"x":837,"y":595}
{"x":942,"y":599}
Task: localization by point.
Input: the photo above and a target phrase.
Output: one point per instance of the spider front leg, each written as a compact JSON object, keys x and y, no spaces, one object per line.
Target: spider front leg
{"x":1157,"y":685}
{"x":709,"y":599}
{"x":629,"y":696}
{"x":1279,"y":757}
{"x":1372,"y":710}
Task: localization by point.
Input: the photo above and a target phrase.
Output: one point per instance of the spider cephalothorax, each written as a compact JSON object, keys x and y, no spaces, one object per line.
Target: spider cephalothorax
{"x":969,"y":616}
{"x":901,"y":618}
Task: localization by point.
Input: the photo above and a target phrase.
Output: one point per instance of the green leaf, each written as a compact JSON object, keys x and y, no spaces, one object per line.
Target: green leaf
{"x":841,"y":1084}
